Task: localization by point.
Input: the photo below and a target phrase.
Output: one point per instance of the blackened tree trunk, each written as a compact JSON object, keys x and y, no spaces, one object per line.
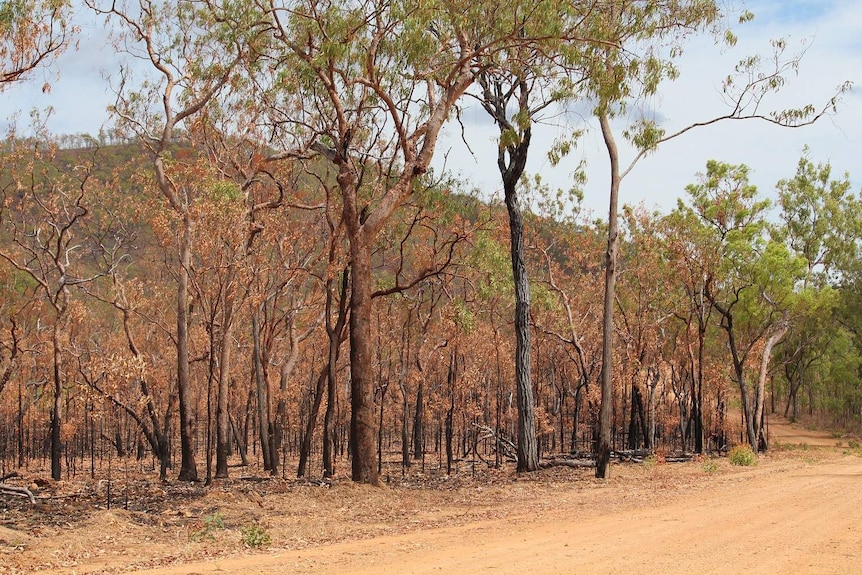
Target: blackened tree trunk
{"x":305,"y":446}
{"x":452,"y":380}
{"x":335,"y":334}
{"x":223,"y":399}
{"x":636,"y":415}
{"x":405,"y":426}
{"x":329,"y":426}
{"x":528,"y":454}
{"x":727,"y":323}
{"x":57,"y":407}
{"x":418,"y":421}
{"x":263,"y":402}
{"x":697,"y":391}
{"x":511,"y":161}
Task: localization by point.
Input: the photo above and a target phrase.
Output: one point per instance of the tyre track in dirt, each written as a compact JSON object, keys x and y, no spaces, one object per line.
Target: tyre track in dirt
{"x":791,"y":517}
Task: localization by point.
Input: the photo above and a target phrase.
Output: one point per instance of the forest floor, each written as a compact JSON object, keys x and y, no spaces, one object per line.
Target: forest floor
{"x":798,"y":511}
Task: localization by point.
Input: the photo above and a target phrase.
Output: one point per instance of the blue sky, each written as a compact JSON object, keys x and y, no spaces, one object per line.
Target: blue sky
{"x":829,"y":30}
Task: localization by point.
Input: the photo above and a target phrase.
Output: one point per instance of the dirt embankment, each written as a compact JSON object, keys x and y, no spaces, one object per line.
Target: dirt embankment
{"x":798,"y":511}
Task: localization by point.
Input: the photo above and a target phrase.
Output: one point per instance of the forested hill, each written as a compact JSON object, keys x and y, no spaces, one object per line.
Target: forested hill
{"x":89,"y":288}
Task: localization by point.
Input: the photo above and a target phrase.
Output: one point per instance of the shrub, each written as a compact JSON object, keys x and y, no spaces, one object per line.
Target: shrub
{"x":255,"y":536}
{"x":710,"y":466}
{"x":211,"y":523}
{"x":743,"y":455}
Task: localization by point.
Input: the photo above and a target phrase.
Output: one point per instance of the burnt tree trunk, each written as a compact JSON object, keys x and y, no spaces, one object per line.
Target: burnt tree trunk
{"x":263,"y":400}
{"x":511,"y":162}
{"x":418,"y":421}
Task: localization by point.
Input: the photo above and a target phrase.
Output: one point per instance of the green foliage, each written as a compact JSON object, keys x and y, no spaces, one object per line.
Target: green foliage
{"x":211,"y":524}
{"x":561,"y":205}
{"x":464,"y":317}
{"x":710,"y":466}
{"x":224,"y":191}
{"x":743,"y":455}
{"x":492,"y":258}
{"x":820,"y":217}
{"x":255,"y":536}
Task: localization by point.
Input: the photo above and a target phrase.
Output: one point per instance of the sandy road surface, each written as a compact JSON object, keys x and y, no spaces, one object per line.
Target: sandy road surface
{"x":783,"y":517}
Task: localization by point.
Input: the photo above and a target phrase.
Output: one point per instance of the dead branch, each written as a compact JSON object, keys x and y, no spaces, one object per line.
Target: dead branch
{"x":19,"y":491}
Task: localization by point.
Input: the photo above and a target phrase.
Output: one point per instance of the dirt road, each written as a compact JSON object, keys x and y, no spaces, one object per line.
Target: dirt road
{"x":783,"y":517}
{"x":798,"y":511}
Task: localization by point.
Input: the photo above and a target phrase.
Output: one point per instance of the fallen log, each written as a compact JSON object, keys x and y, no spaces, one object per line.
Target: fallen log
{"x":19,"y":491}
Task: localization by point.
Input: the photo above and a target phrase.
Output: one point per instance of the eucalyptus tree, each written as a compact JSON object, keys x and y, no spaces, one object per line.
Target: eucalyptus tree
{"x":819,"y":223}
{"x":644,"y":40}
{"x":193,"y":55}
{"x":32,"y":34}
{"x":693,"y":260}
{"x":378,"y":80}
{"x":752,"y":290}
{"x":636,"y":57}
{"x":517,"y":87}
{"x":44,"y":211}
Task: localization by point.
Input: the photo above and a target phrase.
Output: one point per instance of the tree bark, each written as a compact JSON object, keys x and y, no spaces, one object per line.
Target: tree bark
{"x":188,"y":467}
{"x":305,"y":447}
{"x":335,"y":335}
{"x":223,"y":399}
{"x":450,"y":411}
{"x":761,"y":382}
{"x":603,"y":449}
{"x":57,"y":407}
{"x":418,"y":421}
{"x":363,"y":424}
{"x":263,"y":401}
{"x":511,"y":162}
{"x":528,"y":456}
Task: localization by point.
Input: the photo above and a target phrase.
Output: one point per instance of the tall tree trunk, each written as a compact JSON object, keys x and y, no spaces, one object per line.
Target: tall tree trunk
{"x":305,"y":447}
{"x":335,"y":335}
{"x":188,"y":467}
{"x":761,"y":382}
{"x":57,"y":406}
{"x":405,"y":402}
{"x":633,"y":418}
{"x":649,"y":432}
{"x":223,"y":399}
{"x":418,"y":421}
{"x":450,"y":411}
{"x":603,"y":449}
{"x":511,"y":162}
{"x":739,"y":371}
{"x":405,"y":426}
{"x":329,"y":425}
{"x":363,"y":426}
{"x":263,"y":402}
{"x":280,"y":423}
{"x":528,"y":455}
{"x":241,"y":444}
{"x":697,"y":391}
